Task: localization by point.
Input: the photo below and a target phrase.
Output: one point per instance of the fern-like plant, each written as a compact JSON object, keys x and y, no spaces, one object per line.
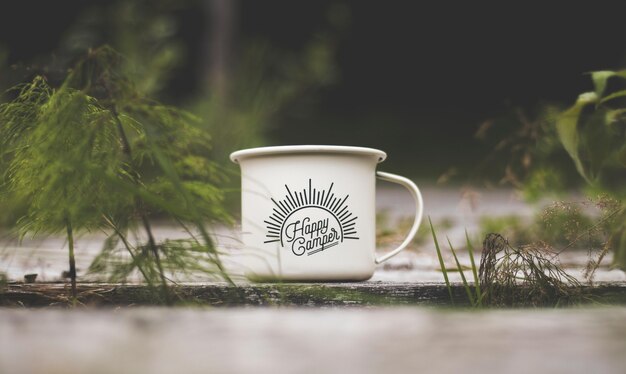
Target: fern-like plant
{"x":94,"y":153}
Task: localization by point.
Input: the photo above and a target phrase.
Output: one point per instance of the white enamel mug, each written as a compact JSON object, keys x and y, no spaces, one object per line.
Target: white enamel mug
{"x":309,"y":212}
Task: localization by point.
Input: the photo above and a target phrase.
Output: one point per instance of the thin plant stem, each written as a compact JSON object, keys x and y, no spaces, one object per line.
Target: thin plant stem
{"x":157,"y":259}
{"x":144,"y":218}
{"x":586,"y":232}
{"x":458,"y":265}
{"x":213,"y":254}
{"x":443,"y":266}
{"x":470,"y":249}
{"x":128,"y":247}
{"x":70,"y":241}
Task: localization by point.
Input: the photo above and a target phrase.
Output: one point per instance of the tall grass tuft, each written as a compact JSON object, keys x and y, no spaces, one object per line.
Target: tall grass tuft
{"x":474,"y":294}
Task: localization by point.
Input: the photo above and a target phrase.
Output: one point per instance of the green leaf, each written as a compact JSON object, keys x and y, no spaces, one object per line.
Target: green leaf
{"x":567,"y":129}
{"x":601,"y":77}
{"x":598,"y":143}
{"x":612,"y":96}
{"x":468,"y":290}
{"x":599,"y":80}
{"x":440,"y":258}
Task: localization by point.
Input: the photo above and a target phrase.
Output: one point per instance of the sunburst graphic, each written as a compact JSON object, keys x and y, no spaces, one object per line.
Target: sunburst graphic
{"x":311,"y":220}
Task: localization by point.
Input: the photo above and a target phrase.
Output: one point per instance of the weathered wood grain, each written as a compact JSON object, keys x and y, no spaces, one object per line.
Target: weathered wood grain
{"x":250,"y":294}
{"x":312,"y":340}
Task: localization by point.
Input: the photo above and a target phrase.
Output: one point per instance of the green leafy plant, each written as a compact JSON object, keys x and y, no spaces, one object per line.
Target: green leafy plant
{"x":535,"y":149}
{"x":95,"y":153}
{"x":526,"y":153}
{"x":593,"y":132}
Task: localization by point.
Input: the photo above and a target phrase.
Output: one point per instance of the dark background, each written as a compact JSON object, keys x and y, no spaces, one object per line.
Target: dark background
{"x":414,"y":78}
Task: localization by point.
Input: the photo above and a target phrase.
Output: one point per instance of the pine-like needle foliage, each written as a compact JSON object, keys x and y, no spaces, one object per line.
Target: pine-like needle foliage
{"x":95,"y":154}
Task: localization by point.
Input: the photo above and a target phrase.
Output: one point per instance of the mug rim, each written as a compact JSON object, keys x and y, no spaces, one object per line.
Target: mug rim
{"x":237,"y":156}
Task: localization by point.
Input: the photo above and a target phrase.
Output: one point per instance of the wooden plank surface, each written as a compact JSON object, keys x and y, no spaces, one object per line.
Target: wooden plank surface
{"x":250,"y":294}
{"x":312,"y":340}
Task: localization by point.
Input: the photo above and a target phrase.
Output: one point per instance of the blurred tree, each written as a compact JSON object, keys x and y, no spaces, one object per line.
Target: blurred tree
{"x":219,"y":44}
{"x":240,"y":88}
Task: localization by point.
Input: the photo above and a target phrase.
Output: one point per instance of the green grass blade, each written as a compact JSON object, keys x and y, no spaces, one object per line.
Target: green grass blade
{"x":443,"y":267}
{"x":470,"y":249}
{"x":458,"y":265}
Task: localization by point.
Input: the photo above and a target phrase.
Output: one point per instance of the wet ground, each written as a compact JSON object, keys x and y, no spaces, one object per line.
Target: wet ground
{"x":314,"y":340}
{"x":462,"y":207}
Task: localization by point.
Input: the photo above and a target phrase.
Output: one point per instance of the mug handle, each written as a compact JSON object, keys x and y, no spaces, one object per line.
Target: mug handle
{"x":419,"y":210}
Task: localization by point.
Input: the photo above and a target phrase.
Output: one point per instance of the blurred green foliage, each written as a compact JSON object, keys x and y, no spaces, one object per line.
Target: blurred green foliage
{"x":551,"y":150}
{"x":262,"y":81}
{"x":526,"y":153}
{"x":593,"y":132}
{"x":144,"y":32}
{"x":263,"y":85}
{"x":559,"y":225}
{"x":391,"y":231}
{"x":95,"y":153}
{"x":265,"y":82}
{"x":88,"y":146}
{"x":513,"y":227}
